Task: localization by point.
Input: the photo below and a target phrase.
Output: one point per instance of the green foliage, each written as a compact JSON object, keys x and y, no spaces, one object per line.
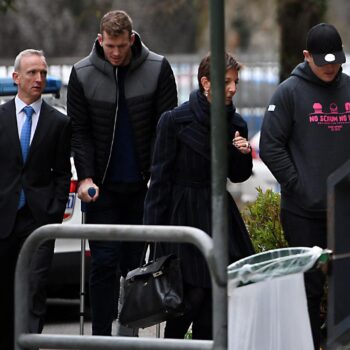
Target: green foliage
{"x":188,"y":335}
{"x":263,"y":222}
{"x":6,"y":5}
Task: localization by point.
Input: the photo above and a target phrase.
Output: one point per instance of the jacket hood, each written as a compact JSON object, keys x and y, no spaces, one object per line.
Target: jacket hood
{"x":304,"y":71}
{"x":139,"y":55}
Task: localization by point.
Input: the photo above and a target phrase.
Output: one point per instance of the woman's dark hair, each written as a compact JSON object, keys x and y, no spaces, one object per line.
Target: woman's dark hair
{"x":204,"y":67}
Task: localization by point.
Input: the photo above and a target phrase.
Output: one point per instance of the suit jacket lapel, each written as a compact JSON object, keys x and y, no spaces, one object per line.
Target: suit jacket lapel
{"x":41,"y":128}
{"x":8,"y":121}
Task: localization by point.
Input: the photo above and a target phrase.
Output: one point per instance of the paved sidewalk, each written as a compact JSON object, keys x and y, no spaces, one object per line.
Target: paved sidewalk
{"x":74,"y":328}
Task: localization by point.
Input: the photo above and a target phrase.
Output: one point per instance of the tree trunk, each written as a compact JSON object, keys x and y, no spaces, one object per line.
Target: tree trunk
{"x":295,"y":18}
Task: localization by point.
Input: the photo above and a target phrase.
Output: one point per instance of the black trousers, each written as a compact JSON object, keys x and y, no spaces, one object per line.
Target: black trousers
{"x":199,"y":312}
{"x":110,"y":259}
{"x":38,"y":274}
{"x":305,"y":232}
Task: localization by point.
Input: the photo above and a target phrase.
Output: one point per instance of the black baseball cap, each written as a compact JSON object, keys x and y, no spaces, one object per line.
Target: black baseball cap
{"x":325,"y":44}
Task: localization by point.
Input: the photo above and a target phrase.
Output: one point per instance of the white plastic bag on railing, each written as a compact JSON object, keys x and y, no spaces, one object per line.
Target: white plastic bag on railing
{"x":267,"y":307}
{"x":269,"y":315}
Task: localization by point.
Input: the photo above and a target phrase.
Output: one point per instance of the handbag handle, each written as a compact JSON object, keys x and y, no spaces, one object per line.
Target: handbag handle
{"x":143,"y":256}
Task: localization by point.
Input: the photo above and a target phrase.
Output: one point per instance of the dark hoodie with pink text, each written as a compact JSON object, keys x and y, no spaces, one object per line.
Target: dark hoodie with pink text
{"x":305,"y":137}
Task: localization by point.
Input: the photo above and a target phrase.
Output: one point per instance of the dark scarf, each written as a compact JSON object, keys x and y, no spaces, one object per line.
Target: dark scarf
{"x":201,"y":108}
{"x":197,"y":134}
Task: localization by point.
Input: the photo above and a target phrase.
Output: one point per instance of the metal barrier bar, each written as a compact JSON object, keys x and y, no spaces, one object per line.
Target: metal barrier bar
{"x":102,"y":232}
{"x":50,"y":341}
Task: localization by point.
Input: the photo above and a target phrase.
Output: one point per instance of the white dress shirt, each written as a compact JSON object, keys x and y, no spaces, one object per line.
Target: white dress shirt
{"x":21,"y":116}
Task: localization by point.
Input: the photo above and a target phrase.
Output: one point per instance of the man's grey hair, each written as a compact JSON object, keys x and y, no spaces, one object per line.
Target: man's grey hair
{"x":24,"y":53}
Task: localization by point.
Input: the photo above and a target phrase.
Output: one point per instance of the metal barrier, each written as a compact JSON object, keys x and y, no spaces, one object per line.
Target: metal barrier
{"x":338,"y":313}
{"x":25,"y":340}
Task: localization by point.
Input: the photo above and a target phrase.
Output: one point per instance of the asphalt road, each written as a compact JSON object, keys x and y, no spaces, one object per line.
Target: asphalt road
{"x":63,"y":318}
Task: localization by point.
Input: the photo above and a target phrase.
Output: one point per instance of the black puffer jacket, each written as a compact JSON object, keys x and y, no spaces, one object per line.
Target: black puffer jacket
{"x":150,"y":90}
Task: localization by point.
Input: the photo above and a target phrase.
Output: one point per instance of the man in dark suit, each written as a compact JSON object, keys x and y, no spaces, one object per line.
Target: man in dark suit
{"x":34,"y":185}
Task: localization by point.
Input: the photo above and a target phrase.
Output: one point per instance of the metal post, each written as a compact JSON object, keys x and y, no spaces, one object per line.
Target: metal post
{"x":219,"y":171}
{"x":82,"y":287}
{"x":91,"y":192}
{"x":338,"y":312}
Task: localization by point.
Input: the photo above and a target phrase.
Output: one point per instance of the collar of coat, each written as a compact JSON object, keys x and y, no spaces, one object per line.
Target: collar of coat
{"x":194,"y":122}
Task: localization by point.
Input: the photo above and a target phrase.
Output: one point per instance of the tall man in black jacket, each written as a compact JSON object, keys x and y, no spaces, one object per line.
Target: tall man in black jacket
{"x":304,"y":139}
{"x":115,"y":98}
{"x":34,"y":185}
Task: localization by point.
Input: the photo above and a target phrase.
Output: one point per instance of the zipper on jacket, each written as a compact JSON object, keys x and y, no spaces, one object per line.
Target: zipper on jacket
{"x":114,"y":126}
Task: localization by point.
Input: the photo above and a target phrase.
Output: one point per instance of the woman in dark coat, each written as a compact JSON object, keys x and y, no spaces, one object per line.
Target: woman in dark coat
{"x":180,"y":190}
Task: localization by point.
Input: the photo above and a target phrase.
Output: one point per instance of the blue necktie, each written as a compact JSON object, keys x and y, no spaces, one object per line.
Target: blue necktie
{"x":25,"y":143}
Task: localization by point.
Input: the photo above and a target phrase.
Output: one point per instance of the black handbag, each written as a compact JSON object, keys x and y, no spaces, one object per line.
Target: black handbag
{"x":153,"y":293}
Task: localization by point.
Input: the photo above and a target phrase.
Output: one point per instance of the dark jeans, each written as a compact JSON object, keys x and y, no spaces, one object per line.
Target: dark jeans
{"x":38,"y":274}
{"x":110,"y":259}
{"x":199,"y":304}
{"x":305,"y":232}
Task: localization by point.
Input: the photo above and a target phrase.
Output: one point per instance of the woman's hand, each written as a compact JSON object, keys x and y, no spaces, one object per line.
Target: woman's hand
{"x":241,"y":143}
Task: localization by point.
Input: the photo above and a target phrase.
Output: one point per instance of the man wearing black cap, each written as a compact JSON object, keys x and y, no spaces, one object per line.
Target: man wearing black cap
{"x":304,"y":138}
